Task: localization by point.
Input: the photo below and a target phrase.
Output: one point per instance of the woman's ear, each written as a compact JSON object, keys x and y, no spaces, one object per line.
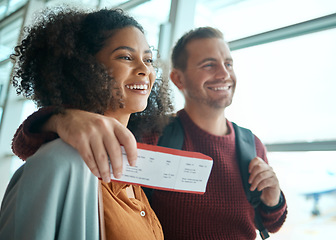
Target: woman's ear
{"x":176,"y":77}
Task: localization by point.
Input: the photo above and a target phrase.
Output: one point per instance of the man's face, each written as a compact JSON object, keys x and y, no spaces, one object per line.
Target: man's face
{"x":209,"y":78}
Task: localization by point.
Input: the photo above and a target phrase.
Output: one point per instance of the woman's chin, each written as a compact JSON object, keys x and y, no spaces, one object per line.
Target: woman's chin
{"x":139,"y":108}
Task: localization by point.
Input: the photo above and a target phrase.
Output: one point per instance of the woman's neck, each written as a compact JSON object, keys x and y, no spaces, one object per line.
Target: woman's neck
{"x":120,"y":117}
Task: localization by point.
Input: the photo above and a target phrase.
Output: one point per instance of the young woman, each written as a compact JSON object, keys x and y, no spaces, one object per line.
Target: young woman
{"x":98,"y":62}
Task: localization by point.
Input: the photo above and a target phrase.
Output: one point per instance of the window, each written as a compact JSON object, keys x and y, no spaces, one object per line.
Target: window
{"x":285,"y":89}
{"x":9,"y":34}
{"x":243,"y":18}
{"x":151,"y":19}
{"x":285,"y":94}
{"x":87,"y":4}
{"x":9,"y":6}
{"x":5,"y":70}
{"x":13,"y":5}
{"x":114,"y":3}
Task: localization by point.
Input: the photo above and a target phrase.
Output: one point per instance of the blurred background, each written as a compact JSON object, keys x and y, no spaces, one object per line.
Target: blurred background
{"x":284,"y":55}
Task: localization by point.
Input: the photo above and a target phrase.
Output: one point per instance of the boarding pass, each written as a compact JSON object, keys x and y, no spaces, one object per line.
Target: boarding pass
{"x":167,"y":169}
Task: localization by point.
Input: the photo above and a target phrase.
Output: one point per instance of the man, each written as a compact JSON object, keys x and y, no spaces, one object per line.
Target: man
{"x":203,"y":72}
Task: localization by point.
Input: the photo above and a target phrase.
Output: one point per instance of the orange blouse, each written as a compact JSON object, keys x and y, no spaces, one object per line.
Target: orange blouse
{"x":128,"y":218}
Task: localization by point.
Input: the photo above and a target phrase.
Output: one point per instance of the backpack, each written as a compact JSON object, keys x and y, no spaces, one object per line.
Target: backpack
{"x":173,"y":137}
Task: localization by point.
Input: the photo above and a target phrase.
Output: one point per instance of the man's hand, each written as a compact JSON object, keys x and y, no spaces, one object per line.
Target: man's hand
{"x":263,"y":178}
{"x":96,"y":138}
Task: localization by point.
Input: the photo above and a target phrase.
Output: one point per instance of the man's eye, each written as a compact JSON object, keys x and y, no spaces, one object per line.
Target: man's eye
{"x":229,"y":65}
{"x":209,"y":65}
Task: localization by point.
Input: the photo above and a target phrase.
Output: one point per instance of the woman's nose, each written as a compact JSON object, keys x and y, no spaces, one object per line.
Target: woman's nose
{"x":143,"y":69}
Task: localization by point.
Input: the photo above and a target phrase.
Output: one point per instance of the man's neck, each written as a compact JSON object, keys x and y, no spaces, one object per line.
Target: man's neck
{"x":208,"y":119}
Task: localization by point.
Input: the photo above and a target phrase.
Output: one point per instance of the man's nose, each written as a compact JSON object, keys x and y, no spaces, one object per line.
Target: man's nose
{"x":223,"y":72}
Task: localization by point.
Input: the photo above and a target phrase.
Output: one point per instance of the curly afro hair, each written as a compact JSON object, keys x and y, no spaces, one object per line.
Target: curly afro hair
{"x":56,"y":65}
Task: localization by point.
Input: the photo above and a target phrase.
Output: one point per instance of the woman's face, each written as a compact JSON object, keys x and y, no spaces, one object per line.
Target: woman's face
{"x":128,"y":59}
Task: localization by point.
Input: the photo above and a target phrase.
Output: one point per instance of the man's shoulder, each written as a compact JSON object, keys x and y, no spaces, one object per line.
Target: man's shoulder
{"x":257,"y":140}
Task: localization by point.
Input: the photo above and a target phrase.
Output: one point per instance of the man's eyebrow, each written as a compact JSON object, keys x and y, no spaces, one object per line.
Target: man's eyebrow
{"x":129,"y":49}
{"x":212,"y":60}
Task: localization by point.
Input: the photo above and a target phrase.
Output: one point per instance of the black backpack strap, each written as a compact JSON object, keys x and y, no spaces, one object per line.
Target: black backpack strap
{"x":246,"y":151}
{"x":172,"y":137}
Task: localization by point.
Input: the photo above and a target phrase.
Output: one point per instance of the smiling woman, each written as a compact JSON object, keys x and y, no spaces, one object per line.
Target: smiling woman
{"x":129,"y":59}
{"x":98,"y":62}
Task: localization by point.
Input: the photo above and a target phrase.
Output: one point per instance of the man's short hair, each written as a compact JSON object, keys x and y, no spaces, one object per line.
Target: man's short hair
{"x":180,"y":56}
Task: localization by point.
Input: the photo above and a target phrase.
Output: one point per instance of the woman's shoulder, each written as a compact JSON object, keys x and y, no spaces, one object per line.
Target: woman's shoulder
{"x":56,"y":156}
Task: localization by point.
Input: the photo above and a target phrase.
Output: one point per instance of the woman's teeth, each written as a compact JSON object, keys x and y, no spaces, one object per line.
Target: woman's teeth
{"x":138,"y":86}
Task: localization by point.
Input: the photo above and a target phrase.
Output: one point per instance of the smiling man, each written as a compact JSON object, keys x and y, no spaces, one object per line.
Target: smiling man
{"x":203,"y":72}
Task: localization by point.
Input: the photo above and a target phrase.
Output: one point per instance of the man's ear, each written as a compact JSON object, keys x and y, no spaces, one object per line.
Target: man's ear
{"x":176,"y":77}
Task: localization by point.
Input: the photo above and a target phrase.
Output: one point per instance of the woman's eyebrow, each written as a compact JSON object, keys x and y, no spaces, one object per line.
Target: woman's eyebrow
{"x":124,"y":48}
{"x":129,"y":49}
{"x":149,"y":51}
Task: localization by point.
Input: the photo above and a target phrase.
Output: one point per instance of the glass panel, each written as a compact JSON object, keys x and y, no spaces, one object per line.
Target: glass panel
{"x":285,"y":89}
{"x":150,"y":18}
{"x":86,"y":4}
{"x":242,"y":18}
{"x":15,"y":5}
{"x":111,"y":4}
{"x":9,"y":6}
{"x":147,"y":14}
{"x":5,"y":70}
{"x":28,"y":108}
{"x":308,"y":180}
{"x":15,"y":164}
{"x":8,"y":38}
{"x":3,"y":9}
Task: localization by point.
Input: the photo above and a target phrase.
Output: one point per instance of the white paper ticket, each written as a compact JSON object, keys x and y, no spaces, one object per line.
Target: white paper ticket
{"x":167,"y":169}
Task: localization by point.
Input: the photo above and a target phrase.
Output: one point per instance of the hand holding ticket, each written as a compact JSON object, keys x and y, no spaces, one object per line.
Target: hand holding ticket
{"x":168,"y":169}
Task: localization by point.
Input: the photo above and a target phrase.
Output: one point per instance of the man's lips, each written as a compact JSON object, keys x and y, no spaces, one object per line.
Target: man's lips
{"x":223,"y":88}
{"x":220,"y":88}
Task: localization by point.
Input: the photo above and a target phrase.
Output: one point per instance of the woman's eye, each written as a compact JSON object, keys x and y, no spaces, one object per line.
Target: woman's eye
{"x":149,"y":60}
{"x":125,"y":58}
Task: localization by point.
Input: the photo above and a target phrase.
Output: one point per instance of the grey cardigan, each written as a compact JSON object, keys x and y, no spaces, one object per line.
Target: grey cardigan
{"x":52,"y":196}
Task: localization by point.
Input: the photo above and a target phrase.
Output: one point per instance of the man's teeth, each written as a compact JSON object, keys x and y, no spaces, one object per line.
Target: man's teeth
{"x":137,"y":86}
{"x":221,"y":88}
